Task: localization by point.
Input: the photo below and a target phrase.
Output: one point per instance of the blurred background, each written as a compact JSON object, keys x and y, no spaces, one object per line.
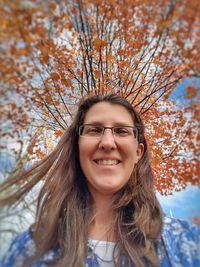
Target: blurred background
{"x":53,"y":54}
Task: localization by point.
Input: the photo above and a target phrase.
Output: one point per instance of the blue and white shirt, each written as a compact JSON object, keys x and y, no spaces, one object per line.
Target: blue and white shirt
{"x":178,"y":247}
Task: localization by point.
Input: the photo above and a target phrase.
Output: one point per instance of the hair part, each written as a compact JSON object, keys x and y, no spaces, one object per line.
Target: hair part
{"x":65,"y":206}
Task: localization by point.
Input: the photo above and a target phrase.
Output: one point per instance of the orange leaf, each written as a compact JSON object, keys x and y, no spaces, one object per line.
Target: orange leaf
{"x":110,"y":57}
{"x":98,"y":43}
{"x":56,"y":103}
{"x":40,"y":154}
{"x":55,"y":76}
{"x":71,"y":75}
{"x":30,"y":150}
{"x":66,"y":82}
{"x":58,"y":133}
{"x":191,"y":92}
{"x":13,"y":105}
{"x":97,"y":74}
{"x":79,"y":72}
{"x":59,"y":90}
{"x":48,"y":99}
{"x":156,"y":160}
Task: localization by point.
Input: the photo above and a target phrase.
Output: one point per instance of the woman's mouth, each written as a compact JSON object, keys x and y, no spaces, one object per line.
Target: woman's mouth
{"x":107,"y":162}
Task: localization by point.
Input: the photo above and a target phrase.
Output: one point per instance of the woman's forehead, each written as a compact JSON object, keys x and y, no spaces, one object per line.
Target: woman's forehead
{"x":107,"y":112}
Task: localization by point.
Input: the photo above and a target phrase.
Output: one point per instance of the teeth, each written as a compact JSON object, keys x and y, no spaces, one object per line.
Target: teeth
{"x":107,"y":162}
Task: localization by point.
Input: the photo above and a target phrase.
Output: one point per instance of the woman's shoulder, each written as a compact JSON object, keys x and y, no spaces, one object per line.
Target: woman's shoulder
{"x":21,"y":247}
{"x":177,"y":229}
{"x":181,"y":242}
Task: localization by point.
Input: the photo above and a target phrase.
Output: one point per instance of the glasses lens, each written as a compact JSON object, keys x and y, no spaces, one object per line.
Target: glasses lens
{"x":123,"y":131}
{"x":97,"y":131}
{"x":91,"y":130}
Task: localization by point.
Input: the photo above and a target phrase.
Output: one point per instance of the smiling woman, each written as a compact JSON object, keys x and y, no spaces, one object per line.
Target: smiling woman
{"x":108,"y":148}
{"x":98,"y":206}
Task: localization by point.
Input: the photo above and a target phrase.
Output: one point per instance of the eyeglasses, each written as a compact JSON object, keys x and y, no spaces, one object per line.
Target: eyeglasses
{"x":89,"y":130}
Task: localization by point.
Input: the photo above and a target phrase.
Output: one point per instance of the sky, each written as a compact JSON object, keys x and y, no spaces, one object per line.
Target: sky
{"x":179,"y":92}
{"x":182,"y":205}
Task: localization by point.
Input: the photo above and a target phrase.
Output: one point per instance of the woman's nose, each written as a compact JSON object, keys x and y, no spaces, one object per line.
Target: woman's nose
{"x":107,"y":141}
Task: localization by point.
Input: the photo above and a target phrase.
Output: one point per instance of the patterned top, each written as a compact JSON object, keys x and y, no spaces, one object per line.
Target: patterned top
{"x":178,"y":247}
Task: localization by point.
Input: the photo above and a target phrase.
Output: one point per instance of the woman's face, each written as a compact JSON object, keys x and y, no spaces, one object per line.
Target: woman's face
{"x":108,"y":161}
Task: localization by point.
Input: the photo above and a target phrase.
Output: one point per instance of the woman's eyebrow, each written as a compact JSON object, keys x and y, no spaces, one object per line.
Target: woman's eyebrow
{"x":114,"y":124}
{"x":95,"y":123}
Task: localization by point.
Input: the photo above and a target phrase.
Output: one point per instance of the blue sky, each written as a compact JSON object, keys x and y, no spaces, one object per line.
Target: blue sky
{"x":179,"y":92}
{"x":183,"y":205}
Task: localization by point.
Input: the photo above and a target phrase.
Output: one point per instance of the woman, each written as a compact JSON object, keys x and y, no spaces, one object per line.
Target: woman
{"x":97,"y":206}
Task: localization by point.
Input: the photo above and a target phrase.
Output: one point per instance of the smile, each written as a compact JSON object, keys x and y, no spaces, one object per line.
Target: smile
{"x":107,"y":162}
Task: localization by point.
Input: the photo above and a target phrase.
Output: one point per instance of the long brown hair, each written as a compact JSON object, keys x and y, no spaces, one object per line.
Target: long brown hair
{"x":65,"y":207}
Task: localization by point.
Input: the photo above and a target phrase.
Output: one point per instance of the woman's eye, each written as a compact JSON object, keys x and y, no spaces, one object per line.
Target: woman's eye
{"x":122,"y":131}
{"x":94,"y":130}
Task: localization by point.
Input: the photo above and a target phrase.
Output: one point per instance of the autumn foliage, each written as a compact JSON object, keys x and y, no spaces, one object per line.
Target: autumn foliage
{"x":196,"y":220}
{"x":55,"y":53}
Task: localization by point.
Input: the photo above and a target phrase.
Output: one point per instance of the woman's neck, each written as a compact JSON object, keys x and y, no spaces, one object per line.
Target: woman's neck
{"x":102,"y":227}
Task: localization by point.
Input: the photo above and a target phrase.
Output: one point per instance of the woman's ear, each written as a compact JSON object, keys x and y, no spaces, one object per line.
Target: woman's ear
{"x":140,"y":151}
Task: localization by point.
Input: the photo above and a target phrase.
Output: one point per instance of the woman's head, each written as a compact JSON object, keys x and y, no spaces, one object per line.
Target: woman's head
{"x":108,"y":144}
{"x":93,"y":153}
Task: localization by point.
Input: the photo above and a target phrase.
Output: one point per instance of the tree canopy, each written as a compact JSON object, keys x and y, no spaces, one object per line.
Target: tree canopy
{"x":53,"y":54}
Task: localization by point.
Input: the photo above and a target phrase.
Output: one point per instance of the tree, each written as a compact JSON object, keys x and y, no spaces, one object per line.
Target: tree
{"x":196,"y":220}
{"x":54,"y":54}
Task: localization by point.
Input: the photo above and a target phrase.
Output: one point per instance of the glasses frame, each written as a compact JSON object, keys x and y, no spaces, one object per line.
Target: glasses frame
{"x":135,"y":130}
